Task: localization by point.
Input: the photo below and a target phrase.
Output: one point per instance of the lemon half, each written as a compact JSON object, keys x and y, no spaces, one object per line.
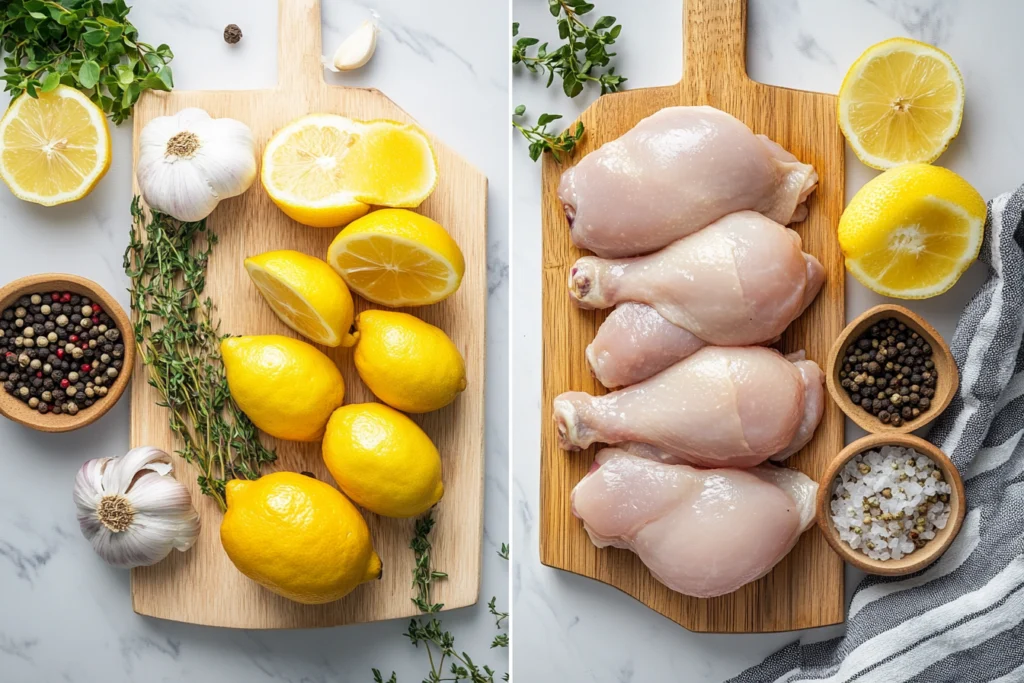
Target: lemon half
{"x":901,"y":102}
{"x":395,"y":257}
{"x":912,"y":231}
{"x":326,"y":170}
{"x":55,"y":148}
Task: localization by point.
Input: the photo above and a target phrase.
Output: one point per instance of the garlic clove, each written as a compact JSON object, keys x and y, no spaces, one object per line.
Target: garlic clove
{"x":356,"y":50}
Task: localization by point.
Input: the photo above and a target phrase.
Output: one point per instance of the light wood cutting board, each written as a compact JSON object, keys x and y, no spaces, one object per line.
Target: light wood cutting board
{"x":202,"y":586}
{"x":806,"y":588}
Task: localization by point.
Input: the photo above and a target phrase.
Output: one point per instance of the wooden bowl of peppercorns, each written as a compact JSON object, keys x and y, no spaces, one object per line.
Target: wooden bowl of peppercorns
{"x":67,"y":351}
{"x":891,"y":372}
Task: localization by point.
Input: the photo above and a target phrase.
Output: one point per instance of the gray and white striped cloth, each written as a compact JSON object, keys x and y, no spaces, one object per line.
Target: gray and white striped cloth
{"x":962,"y":619}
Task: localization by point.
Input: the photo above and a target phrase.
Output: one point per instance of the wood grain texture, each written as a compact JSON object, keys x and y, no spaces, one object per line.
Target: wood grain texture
{"x":806,"y":588}
{"x":202,"y":586}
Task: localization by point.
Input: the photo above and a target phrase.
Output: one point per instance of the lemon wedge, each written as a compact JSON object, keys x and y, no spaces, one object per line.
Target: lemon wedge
{"x":395,"y":257}
{"x":901,"y":102}
{"x":911,"y":232}
{"x":325,"y":170}
{"x":306,"y":294}
{"x":54,"y":148}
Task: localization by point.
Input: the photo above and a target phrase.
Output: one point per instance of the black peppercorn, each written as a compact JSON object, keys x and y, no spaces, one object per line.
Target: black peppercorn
{"x":232,"y":34}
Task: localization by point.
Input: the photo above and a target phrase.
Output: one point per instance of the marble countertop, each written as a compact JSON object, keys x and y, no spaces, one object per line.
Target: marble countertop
{"x":569,"y":628}
{"x":64,"y":615}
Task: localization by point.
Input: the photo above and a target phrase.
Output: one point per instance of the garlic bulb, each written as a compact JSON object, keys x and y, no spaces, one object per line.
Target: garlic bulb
{"x":356,"y":50}
{"x":132,"y":510}
{"x":188,"y":162}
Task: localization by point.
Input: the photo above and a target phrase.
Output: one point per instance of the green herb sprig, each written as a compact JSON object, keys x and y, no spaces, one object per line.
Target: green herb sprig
{"x":438,"y":643}
{"x":85,"y":44}
{"x":583,"y":54}
{"x":179,"y":342}
{"x":581,"y":59}
{"x":541,"y":140}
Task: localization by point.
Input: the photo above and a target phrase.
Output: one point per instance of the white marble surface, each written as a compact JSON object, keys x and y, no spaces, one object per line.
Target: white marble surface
{"x":572,"y":629}
{"x":65,"y":616}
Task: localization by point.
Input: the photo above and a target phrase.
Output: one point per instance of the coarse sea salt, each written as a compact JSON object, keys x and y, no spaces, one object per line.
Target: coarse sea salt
{"x":886,"y":503}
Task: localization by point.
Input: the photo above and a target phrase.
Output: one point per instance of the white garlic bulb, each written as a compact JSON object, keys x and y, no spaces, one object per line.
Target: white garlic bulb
{"x":188,"y":162}
{"x":132,"y":510}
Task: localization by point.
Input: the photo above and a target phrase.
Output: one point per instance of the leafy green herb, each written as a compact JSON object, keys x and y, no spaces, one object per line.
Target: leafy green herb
{"x":86,"y":44}
{"x":179,"y":342}
{"x":541,"y":140}
{"x":581,"y":57}
{"x":440,"y":644}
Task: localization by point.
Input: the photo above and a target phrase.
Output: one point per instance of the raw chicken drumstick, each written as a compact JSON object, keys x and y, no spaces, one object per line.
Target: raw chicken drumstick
{"x":700,"y":532}
{"x":721,"y":407}
{"x":740,"y":281}
{"x":674,"y":173}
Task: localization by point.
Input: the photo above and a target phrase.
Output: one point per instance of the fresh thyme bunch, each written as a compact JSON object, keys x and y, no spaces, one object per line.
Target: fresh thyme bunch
{"x":179,"y":343}
{"x":86,"y":44}
{"x":440,"y":644}
{"x":581,"y":59}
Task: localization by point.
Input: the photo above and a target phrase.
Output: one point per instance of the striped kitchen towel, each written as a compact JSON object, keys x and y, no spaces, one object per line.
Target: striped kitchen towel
{"x":962,"y":619}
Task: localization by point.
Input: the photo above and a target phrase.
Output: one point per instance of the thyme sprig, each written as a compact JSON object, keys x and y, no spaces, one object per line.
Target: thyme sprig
{"x":581,"y":57}
{"x":86,"y":44}
{"x":179,"y":342}
{"x":438,"y":643}
{"x":541,"y":140}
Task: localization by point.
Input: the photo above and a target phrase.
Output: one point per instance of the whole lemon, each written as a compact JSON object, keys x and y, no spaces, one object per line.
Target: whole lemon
{"x":297,"y":537}
{"x":382,"y":460}
{"x":407,"y":363}
{"x":287,"y":387}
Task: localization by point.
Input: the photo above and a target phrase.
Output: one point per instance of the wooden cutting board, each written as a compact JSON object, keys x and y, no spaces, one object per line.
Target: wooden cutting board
{"x":806,"y":588}
{"x":202,"y":586}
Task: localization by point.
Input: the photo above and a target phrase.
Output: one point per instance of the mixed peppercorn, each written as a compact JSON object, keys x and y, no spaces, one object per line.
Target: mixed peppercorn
{"x":59,"y":352}
{"x":889,"y":372}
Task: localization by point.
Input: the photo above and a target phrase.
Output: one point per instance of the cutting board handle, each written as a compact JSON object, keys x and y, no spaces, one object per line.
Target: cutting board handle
{"x":714,"y":42}
{"x":299,"y":45}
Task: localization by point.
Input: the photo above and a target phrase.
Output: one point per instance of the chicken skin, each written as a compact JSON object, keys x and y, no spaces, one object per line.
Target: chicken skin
{"x":675,"y":172}
{"x":742,"y":280}
{"x":720,"y":407}
{"x":700,"y":532}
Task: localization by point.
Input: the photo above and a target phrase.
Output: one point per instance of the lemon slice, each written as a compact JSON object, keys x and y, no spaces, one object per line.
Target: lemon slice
{"x":54,"y":148}
{"x":306,"y":294}
{"x":395,"y":257}
{"x":901,"y":102}
{"x":911,"y":232}
{"x":325,"y":170}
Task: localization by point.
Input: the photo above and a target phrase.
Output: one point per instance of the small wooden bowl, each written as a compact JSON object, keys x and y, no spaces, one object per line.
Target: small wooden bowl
{"x":19,"y":411}
{"x":945,"y":386}
{"x":921,"y":557}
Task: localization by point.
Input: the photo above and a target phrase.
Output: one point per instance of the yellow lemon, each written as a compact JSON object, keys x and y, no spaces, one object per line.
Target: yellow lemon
{"x":397,"y":258}
{"x":901,"y":102}
{"x":912,"y":231}
{"x":382,"y":460}
{"x":287,"y":387}
{"x":54,"y":148}
{"x":407,"y":363}
{"x":306,"y":294}
{"x":325,"y":170}
{"x":298,"y":537}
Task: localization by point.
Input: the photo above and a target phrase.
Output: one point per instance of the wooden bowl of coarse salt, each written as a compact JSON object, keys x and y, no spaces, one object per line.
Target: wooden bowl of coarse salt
{"x":901,"y":512}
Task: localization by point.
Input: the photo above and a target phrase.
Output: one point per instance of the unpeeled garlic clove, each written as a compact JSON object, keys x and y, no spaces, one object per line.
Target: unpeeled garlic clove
{"x":356,"y":50}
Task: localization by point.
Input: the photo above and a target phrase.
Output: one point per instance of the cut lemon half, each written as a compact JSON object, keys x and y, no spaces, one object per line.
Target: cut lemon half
{"x":54,"y":148}
{"x":395,"y":257}
{"x":911,"y":232}
{"x":306,"y":294}
{"x":325,"y":170}
{"x":901,"y":102}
